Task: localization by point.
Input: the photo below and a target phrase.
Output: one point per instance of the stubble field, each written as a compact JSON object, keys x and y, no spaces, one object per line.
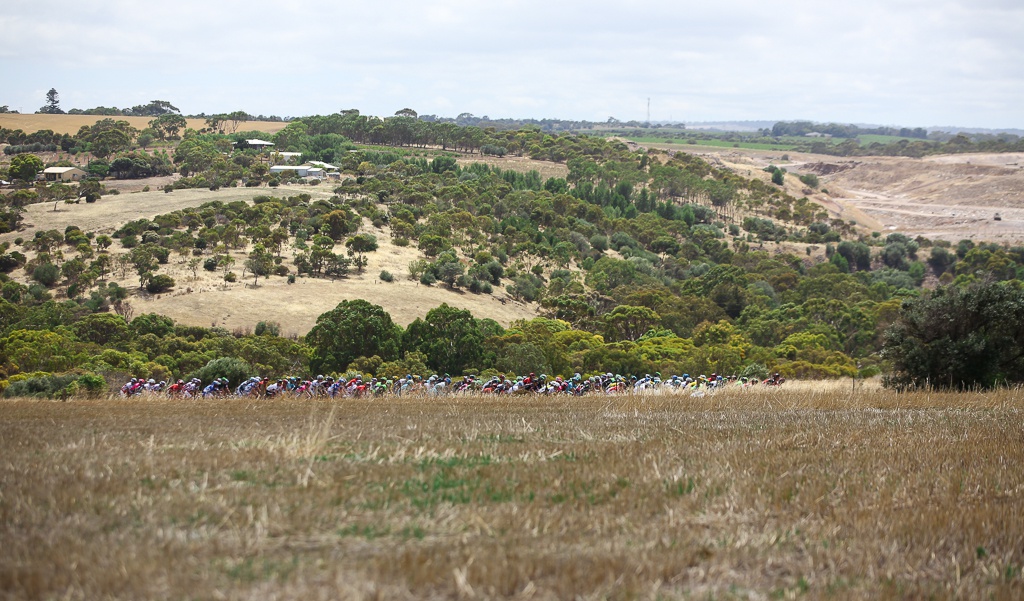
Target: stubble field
{"x":741,"y":494}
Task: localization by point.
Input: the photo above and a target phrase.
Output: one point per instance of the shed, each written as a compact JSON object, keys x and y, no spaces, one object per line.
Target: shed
{"x":254,"y":143}
{"x":300,"y":170}
{"x":326,"y":166}
{"x":285,"y":156}
{"x":63,"y":174}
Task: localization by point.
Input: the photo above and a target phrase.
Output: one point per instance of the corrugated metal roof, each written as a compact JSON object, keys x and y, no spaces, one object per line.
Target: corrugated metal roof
{"x":60,"y":169}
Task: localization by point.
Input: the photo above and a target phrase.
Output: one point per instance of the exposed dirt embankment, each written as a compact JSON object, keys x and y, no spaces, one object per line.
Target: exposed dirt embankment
{"x":949,"y":197}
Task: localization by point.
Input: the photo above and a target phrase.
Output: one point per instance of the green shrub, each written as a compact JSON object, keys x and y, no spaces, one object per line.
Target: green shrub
{"x":161,"y":254}
{"x":232,"y":368}
{"x":43,"y":386}
{"x":50,"y":386}
{"x":46,"y":274}
{"x":958,"y":338}
{"x":480,"y":286}
{"x":386,"y":276}
{"x":159,"y":283}
{"x":755,"y":370}
{"x":11,"y":261}
{"x":91,"y":384}
{"x":810,"y":180}
{"x":268,"y":328}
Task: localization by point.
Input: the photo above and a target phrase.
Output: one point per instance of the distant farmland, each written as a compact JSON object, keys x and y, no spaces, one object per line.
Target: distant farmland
{"x":730,"y":140}
{"x":70,"y":124}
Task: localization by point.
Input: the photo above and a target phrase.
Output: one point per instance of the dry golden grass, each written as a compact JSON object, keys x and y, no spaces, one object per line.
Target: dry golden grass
{"x":547,"y":169}
{"x":70,"y":124}
{"x":741,"y":494}
{"x":204,"y":299}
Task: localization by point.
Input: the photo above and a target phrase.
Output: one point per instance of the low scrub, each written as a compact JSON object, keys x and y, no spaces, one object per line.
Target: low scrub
{"x":51,"y":386}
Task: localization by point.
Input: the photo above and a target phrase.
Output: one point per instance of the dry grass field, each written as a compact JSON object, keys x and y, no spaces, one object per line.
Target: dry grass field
{"x":804,"y":491}
{"x":70,"y":124}
{"x":547,"y":169}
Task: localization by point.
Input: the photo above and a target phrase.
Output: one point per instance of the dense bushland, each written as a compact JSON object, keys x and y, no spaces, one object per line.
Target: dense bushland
{"x":638,"y":261}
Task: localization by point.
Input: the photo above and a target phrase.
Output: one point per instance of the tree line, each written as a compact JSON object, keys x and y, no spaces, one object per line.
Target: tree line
{"x":642,"y":258}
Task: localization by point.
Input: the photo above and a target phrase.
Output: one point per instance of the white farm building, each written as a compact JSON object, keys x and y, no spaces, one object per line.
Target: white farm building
{"x":300,"y":170}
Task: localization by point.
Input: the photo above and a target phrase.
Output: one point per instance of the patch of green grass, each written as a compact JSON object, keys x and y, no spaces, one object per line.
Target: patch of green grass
{"x":442,"y":487}
{"x":718,"y":143}
{"x":504,"y":438}
{"x":678,"y":488}
{"x":838,"y":585}
{"x":454,"y":462}
{"x":255,"y":570}
{"x":458,"y":486}
{"x":415,"y":532}
{"x":499,"y":494}
{"x":589,"y":492}
{"x":367,"y":531}
{"x":866,"y":139}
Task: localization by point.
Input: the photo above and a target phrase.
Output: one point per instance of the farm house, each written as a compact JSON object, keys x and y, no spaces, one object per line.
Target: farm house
{"x":63,"y":174}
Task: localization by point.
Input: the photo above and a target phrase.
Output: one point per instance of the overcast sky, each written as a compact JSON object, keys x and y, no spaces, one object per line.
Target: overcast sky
{"x":896,"y":62}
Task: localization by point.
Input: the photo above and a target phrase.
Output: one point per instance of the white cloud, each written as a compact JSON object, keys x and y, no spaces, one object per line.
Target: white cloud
{"x":905,"y":61}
